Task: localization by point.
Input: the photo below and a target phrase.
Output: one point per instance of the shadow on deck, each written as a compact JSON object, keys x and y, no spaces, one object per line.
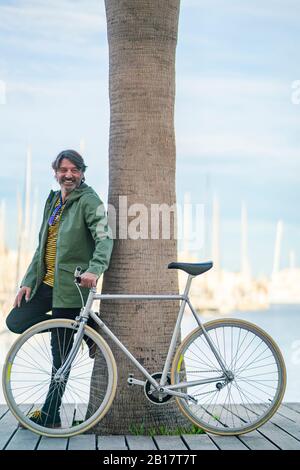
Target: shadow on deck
{"x":281,"y":432}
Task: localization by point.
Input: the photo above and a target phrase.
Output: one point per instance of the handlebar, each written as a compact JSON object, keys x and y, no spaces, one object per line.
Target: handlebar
{"x":77,"y":273}
{"x":77,"y":281}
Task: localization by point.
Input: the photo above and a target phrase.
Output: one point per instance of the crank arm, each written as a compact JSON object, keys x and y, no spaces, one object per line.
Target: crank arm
{"x":132,"y":381}
{"x":179,"y":394}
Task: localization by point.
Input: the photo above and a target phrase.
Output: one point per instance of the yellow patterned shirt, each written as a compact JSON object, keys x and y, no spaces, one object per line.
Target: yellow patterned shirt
{"x":50,"y":253}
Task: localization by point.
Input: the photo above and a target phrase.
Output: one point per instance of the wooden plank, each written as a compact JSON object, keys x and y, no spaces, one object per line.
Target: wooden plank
{"x":23,"y":440}
{"x":83,"y":442}
{"x":282,"y":431}
{"x":53,"y":443}
{"x":219,"y":416}
{"x":140,"y":443}
{"x":112,"y":443}
{"x":199,"y":442}
{"x":283,"y":440}
{"x":278,"y":436}
{"x":292,"y":429}
{"x":256,"y":441}
{"x":67,"y":412}
{"x":282,"y":420}
{"x":170,"y":443}
{"x":289,"y":426}
{"x":57,"y":443}
{"x":228,"y":442}
{"x":3,"y":410}
{"x":9,"y":426}
{"x":293,"y":406}
{"x":289,"y":413}
{"x":253,"y":440}
{"x":210,"y":414}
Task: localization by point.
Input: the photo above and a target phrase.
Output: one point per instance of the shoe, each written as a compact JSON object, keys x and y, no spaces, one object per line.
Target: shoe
{"x":41,"y":418}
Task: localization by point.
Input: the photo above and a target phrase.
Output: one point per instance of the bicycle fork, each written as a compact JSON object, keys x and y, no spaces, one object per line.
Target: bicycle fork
{"x":64,"y":369}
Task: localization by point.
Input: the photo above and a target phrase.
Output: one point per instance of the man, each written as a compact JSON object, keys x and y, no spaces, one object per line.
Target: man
{"x":73,"y":233}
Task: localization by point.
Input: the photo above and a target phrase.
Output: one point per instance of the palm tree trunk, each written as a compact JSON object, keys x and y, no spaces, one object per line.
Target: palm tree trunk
{"x":142,"y":37}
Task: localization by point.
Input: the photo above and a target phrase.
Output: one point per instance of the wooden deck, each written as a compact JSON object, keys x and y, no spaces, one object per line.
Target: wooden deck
{"x":282,"y":432}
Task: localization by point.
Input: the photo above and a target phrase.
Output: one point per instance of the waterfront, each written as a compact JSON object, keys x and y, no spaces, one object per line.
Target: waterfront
{"x":282,"y":322}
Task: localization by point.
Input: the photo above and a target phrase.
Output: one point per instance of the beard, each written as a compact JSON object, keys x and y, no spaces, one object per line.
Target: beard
{"x":69,"y":184}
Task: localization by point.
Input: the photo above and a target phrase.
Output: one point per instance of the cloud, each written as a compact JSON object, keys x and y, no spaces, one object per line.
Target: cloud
{"x":237,"y":118}
{"x":59,"y":26}
{"x":222,"y":87}
{"x":46,"y":18}
{"x":272,"y":9}
{"x":60,"y":89}
{"x":236,"y":146}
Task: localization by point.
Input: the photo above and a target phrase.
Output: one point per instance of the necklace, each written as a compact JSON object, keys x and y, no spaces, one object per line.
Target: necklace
{"x":51,"y":220}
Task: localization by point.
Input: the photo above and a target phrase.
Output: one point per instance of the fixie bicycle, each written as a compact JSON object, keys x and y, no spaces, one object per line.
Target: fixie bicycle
{"x":228,"y":376}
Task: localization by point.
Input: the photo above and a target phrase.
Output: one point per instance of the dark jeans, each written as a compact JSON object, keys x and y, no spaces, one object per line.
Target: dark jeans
{"x":35,"y":311}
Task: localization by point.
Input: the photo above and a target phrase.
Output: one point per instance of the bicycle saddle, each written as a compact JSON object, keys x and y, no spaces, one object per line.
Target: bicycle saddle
{"x":192,"y":268}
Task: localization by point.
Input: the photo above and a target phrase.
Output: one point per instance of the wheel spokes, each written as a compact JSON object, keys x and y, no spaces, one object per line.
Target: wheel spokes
{"x":32,"y":380}
{"x":255,"y":383}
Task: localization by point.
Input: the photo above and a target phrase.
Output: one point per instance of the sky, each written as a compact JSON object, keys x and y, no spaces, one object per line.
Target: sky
{"x":237,"y":111}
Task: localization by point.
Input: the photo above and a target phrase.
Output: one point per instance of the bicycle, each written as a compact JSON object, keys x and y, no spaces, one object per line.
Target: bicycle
{"x":228,"y":376}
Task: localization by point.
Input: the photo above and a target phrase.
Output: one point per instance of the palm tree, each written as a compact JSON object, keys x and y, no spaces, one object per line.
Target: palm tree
{"x":142,"y":37}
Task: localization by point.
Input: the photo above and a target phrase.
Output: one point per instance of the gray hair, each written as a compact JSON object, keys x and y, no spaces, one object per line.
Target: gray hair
{"x":71,"y":155}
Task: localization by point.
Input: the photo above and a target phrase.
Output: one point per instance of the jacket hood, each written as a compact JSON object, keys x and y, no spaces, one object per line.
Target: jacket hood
{"x":77,"y":193}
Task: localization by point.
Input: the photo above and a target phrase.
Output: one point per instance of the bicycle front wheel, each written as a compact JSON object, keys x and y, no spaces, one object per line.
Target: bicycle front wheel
{"x":75,"y":403}
{"x":255,"y":390}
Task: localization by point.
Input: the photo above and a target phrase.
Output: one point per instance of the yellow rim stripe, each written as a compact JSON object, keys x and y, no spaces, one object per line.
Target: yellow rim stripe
{"x":179,"y":363}
{"x":8,"y":372}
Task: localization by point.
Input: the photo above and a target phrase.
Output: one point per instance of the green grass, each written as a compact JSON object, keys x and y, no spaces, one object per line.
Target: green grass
{"x":139,"y":430}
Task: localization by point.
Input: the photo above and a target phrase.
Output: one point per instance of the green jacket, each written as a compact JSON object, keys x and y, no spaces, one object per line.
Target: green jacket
{"x":83,"y":240}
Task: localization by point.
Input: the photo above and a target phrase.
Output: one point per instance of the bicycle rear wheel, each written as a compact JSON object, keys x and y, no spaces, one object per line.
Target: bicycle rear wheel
{"x":49,"y":407}
{"x":256,"y":391}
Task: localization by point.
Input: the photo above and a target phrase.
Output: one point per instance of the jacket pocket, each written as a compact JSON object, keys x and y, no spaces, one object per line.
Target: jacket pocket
{"x":71,"y":268}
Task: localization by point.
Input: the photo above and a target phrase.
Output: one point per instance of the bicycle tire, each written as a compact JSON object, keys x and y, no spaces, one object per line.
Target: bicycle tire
{"x":225,"y":417}
{"x":42,"y":333}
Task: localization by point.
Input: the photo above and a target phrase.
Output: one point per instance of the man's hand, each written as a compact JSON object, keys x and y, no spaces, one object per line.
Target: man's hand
{"x":23,"y":290}
{"x":88,"y":280}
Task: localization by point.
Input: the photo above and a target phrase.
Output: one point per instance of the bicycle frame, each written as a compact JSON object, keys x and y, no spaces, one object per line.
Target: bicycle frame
{"x":86,"y":312}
